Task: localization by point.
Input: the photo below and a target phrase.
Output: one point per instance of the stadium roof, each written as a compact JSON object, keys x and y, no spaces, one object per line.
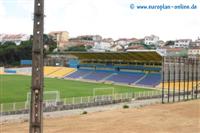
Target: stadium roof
{"x":139,"y":56}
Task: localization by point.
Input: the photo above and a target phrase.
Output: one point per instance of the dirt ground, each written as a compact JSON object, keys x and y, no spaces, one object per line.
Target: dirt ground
{"x":168,"y":118}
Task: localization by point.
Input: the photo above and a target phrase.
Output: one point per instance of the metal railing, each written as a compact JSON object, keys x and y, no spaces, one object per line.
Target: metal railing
{"x":94,"y":100}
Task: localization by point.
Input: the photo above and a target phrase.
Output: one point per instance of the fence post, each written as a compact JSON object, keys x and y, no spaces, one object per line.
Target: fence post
{"x":81,"y":100}
{"x":1,"y":108}
{"x":65,"y":101}
{"x":73,"y":100}
{"x":25,"y":105}
{"x":14,"y":106}
{"x":88,"y":99}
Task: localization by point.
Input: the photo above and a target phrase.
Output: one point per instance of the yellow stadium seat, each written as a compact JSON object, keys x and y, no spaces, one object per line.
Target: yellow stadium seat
{"x":50,"y":71}
{"x":171,"y":85}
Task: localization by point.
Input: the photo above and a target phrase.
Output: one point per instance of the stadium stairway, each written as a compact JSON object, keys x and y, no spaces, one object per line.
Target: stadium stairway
{"x":78,"y":74}
{"x":85,"y":75}
{"x":151,"y":79}
{"x":139,"y":79}
{"x":97,"y":75}
{"x":126,"y":77}
{"x":105,"y":79}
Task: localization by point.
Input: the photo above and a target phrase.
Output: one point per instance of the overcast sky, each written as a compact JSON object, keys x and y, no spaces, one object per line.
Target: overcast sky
{"x":109,"y":18}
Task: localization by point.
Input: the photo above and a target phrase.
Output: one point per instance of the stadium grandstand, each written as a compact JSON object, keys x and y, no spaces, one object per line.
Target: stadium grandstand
{"x":132,"y":68}
{"x":136,"y":68}
{"x":58,"y":72}
{"x":49,"y":71}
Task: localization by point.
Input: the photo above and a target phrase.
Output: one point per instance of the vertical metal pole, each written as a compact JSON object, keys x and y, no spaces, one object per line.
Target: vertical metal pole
{"x":168,"y":80}
{"x":184,"y":68}
{"x":174,"y":78}
{"x":188,"y":77}
{"x":36,"y":108}
{"x":197,"y":67}
{"x":163,"y":79}
{"x":179,"y":78}
{"x":192,"y":78}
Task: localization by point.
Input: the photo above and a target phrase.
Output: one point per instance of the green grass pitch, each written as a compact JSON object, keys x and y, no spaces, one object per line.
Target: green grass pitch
{"x":14,"y":88}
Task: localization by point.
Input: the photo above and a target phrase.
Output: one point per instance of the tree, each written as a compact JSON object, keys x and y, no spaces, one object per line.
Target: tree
{"x":11,"y":54}
{"x":169,"y":43}
{"x":79,"y":48}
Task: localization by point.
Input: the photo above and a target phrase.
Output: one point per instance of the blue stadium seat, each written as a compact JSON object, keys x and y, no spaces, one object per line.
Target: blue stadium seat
{"x":97,"y":75}
{"x":140,"y":78}
{"x":78,"y":74}
{"x":152,"y":79}
{"x":125,"y":77}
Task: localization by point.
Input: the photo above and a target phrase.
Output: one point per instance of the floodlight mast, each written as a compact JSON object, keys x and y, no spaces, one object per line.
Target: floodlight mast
{"x":36,"y":107}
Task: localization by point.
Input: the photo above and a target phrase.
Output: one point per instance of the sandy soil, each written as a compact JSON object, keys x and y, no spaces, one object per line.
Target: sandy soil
{"x":168,"y":118}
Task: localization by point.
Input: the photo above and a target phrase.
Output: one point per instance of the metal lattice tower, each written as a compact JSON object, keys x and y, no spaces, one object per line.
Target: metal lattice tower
{"x":36,"y":108}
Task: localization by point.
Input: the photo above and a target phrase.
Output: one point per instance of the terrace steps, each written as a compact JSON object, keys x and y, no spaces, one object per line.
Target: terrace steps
{"x":85,"y":75}
{"x":108,"y":77}
{"x":139,"y":79}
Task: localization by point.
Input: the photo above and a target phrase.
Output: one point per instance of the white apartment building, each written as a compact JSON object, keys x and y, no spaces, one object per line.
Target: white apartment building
{"x":115,"y":48}
{"x":194,"y":52}
{"x":95,"y":38}
{"x":197,"y":42}
{"x":101,"y":46}
{"x":151,"y":40}
{"x":162,"y":51}
{"x":182,"y":43}
{"x":122,"y":41}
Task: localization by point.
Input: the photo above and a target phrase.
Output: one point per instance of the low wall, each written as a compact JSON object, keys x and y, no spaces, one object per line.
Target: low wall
{"x":1,"y":70}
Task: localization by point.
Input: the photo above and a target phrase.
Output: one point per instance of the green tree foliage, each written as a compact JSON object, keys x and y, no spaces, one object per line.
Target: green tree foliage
{"x":11,"y":54}
{"x":142,"y":44}
{"x":169,"y":43}
{"x":48,"y":40}
{"x":79,"y":48}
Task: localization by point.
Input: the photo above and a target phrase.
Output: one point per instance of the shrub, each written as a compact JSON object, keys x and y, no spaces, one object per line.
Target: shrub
{"x":125,"y":106}
{"x":84,"y":112}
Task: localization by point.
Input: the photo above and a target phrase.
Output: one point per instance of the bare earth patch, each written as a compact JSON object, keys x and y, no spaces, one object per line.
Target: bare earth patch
{"x":168,"y":118}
